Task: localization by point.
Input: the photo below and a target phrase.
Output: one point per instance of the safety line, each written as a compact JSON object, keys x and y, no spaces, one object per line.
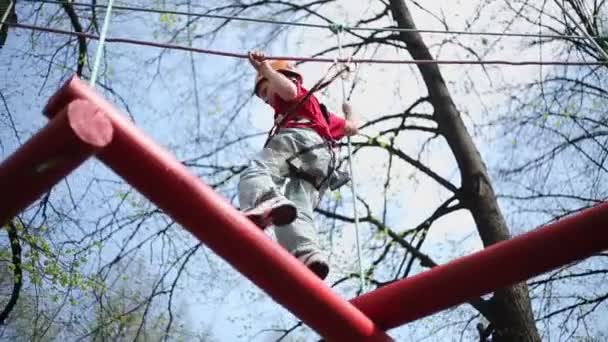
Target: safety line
{"x":322,"y":26}
{"x":101,"y":44}
{"x":353,"y":186}
{"x":301,"y":59}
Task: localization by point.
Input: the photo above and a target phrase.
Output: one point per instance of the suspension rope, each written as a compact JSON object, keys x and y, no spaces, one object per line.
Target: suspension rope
{"x":321,"y":26}
{"x":100,"y":45}
{"x":197,"y":100}
{"x":585,"y":33}
{"x":338,"y":32}
{"x":299,"y":59}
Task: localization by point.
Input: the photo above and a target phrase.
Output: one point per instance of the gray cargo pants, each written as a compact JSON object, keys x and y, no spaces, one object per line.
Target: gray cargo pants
{"x":269,"y":171}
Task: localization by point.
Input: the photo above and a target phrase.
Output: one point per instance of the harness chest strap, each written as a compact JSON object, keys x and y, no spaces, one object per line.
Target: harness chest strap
{"x":279,"y":119}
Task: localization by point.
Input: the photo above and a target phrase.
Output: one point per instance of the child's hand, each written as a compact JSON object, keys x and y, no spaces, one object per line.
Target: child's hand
{"x":347,"y":109}
{"x":259,"y":62}
{"x":351,"y":127}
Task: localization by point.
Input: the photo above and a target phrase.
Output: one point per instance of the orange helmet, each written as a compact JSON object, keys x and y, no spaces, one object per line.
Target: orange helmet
{"x":285,"y":67}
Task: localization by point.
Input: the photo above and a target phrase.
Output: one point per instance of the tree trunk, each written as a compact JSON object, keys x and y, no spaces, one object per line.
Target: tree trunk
{"x":510,"y":308}
{"x":11,"y":17}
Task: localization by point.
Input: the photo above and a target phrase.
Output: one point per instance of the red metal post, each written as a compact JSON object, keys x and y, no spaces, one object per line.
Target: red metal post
{"x":60,"y":147}
{"x":503,"y":264}
{"x":208,"y":216}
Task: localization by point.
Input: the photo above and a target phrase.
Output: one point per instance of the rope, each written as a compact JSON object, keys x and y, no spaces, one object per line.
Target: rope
{"x":298,"y":59}
{"x":320,"y":26}
{"x":197,"y":100}
{"x":102,"y":40}
{"x":585,"y":33}
{"x":353,"y":188}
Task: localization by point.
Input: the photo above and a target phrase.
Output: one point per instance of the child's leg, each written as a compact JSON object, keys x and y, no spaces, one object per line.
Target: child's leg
{"x":300,"y":237}
{"x":259,"y":178}
{"x":259,"y":187}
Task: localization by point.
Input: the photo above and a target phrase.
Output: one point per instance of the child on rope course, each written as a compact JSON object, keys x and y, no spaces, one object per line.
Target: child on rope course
{"x":298,"y":156}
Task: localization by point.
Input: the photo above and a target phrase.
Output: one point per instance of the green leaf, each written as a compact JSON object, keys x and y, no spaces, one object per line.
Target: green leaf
{"x":36,"y":279}
{"x":64,"y":280}
{"x":337,"y":194}
{"x":382,"y":144}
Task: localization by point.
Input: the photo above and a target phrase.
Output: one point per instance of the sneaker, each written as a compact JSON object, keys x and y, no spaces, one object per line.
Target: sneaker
{"x":276,"y":210}
{"x":316,"y":262}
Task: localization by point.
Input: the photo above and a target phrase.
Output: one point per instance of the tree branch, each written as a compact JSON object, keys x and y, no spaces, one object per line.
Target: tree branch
{"x":82,"y":44}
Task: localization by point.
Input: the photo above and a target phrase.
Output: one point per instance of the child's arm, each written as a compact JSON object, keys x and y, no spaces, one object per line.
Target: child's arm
{"x":282,"y":85}
{"x":279,"y":83}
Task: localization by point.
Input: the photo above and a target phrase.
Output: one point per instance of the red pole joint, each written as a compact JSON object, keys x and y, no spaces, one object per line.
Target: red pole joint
{"x":498,"y":266}
{"x":167,"y":183}
{"x":77,"y":131}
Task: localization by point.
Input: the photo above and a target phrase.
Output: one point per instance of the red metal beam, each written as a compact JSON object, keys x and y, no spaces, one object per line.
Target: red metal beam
{"x":60,"y":147}
{"x":208,"y":216}
{"x":573,"y":238}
